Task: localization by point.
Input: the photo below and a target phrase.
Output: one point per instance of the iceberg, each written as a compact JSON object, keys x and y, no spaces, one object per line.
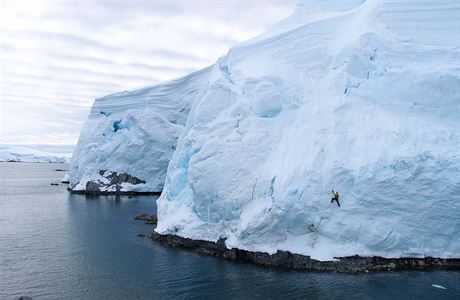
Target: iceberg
{"x":360,"y":97}
{"x":357,"y":96}
{"x":129,"y":137}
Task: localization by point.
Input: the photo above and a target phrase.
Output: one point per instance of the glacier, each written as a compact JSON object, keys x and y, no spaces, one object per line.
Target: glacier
{"x":357,"y":96}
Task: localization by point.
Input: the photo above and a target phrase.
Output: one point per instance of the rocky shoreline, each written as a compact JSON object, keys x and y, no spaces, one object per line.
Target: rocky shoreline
{"x":147,"y":219}
{"x":288,"y":260}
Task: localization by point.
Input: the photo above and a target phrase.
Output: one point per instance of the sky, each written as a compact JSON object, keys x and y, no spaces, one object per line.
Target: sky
{"x":56,"y":57}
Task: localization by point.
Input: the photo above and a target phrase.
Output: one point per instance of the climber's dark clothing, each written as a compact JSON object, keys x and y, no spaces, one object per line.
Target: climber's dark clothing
{"x":335,"y":199}
{"x":335,"y":196}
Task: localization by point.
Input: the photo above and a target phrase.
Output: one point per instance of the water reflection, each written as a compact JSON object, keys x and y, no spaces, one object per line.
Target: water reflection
{"x":117,"y":200}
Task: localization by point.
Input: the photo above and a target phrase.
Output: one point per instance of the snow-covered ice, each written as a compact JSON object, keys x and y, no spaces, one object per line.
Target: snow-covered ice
{"x":357,"y":96}
{"x":36,"y":153}
{"x":134,"y":132}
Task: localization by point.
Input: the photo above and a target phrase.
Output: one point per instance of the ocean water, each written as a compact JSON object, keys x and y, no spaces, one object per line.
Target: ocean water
{"x":57,"y":245}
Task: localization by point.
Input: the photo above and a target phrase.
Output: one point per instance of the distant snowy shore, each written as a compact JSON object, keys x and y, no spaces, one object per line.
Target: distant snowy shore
{"x":36,"y":153}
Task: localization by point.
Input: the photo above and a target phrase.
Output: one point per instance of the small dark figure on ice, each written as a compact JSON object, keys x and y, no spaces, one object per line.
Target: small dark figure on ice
{"x":335,"y":197}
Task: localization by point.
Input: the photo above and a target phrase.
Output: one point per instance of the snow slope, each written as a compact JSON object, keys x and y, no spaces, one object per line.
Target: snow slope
{"x":134,"y":132}
{"x":357,"y":96}
{"x":36,"y":153}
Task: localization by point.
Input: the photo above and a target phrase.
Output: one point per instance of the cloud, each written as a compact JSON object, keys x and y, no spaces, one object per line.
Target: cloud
{"x":69,"y":40}
{"x":56,"y":57}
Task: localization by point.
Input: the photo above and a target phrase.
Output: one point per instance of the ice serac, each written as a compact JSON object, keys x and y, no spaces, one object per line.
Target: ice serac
{"x":357,"y":96}
{"x":129,"y":137}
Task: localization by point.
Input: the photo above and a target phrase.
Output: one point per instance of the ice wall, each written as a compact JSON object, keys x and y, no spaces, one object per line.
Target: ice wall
{"x":359,"y":96}
{"x":134,"y":132}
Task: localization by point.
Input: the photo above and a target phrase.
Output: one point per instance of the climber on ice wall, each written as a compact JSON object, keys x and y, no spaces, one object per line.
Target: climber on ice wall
{"x":335,"y":197}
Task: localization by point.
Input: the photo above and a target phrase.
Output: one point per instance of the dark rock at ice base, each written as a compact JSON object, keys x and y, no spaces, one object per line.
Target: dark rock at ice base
{"x":119,"y":178}
{"x":92,"y":187}
{"x":286,"y":259}
{"x":13,"y":160}
{"x":148,"y":219}
{"x":115,"y":181}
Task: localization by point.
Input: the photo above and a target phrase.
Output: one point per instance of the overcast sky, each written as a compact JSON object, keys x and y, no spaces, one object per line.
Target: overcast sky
{"x":57,"y":56}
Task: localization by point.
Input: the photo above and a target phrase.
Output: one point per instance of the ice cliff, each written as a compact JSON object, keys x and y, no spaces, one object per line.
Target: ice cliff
{"x":130,"y":136}
{"x":357,"y":96}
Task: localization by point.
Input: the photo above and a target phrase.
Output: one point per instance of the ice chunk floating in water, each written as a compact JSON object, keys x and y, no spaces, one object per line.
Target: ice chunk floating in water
{"x":439,"y":286}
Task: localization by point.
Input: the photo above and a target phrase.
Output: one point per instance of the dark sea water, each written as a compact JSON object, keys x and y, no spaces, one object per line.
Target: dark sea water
{"x":56,"y":245}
